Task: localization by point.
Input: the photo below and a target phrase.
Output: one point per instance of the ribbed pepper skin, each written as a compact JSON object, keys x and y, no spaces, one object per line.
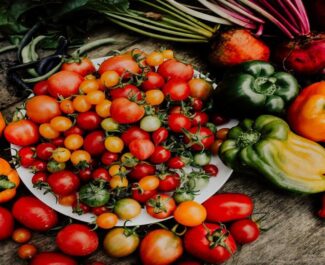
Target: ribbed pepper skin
{"x":255,"y":87}
{"x":269,"y":147}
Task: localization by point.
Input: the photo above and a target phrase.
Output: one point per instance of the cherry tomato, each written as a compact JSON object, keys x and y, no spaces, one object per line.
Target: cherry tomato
{"x":160,"y":135}
{"x":190,"y":213}
{"x":222,"y":133}
{"x":175,"y":163}
{"x":177,"y":122}
{"x":199,"y":138}
{"x":6,"y":223}
{"x":52,"y":258}
{"x":141,"y":170}
{"x":74,"y":130}
{"x":58,"y":141}
{"x":99,"y":210}
{"x":149,"y":183}
{"x":61,"y":123}
{"x":211,"y":170}
{"x":107,"y":220}
{"x":88,"y":120}
{"x":81,"y":104}
{"x":42,"y":109}
{"x":63,"y":182}
{"x":123,"y":64}
{"x":85,"y":174}
{"x":26,"y":156}
{"x":101,"y":173}
{"x":103,"y":108}
{"x":160,"y":155}
{"x":114,"y":144}
{"x":110,"y":78}
{"x":127,"y":208}
{"x":154,"y":97}
{"x":118,"y":182}
{"x":68,"y":200}
{"x":94,"y":143}
{"x":176,"y":89}
{"x":73,"y":141}
{"x":134,"y":133}
{"x":21,"y":235}
{"x":168,"y":54}
{"x":83,"y":66}
{"x":129,"y":160}
{"x":128,"y":91}
{"x":66,"y":106}
{"x":169,"y":182}
{"x":64,"y":83}
{"x":77,"y":240}
{"x":160,"y":206}
{"x":109,"y":125}
{"x":38,"y":165}
{"x":155,"y":59}
{"x":200,"y":118}
{"x":200,"y":88}
{"x":174,"y":69}
{"x":141,"y":195}
{"x":153,"y":80}
{"x":216,"y":146}
{"x":27,"y":251}
{"x":95,"y":97}
{"x":124,"y":111}
{"x":244,"y":231}
{"x":197,"y":104}
{"x":89,"y":85}
{"x":44,"y":150}
{"x":80,"y":156}
{"x":141,"y":148}
{"x":41,"y":88}
{"x":23,"y":133}
{"x":117,"y":170}
{"x":108,"y":158}
{"x":61,"y":154}
{"x":219,"y":119}
{"x":80,"y":208}
{"x":39,"y":177}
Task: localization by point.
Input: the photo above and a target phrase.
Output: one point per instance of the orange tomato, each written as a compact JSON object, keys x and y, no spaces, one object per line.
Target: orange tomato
{"x":27,"y":251}
{"x":107,"y":220}
{"x":73,"y":141}
{"x":48,"y":132}
{"x":61,"y":154}
{"x":149,"y":183}
{"x":118,"y":182}
{"x":154,"y":97}
{"x":200,"y":88}
{"x":61,"y":123}
{"x":222,"y":133}
{"x":81,"y":104}
{"x":103,"y":108}
{"x":89,"y":85}
{"x":21,"y":235}
{"x":155,"y":58}
{"x":190,"y":213}
{"x":95,"y":97}
{"x":68,"y":200}
{"x":66,"y":106}
{"x":117,"y":171}
{"x":168,"y":54}
{"x":114,"y":144}
{"x":110,"y":78}
{"x":80,"y":156}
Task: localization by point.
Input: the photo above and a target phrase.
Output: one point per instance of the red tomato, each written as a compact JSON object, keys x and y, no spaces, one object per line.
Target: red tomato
{"x":38,"y":165}
{"x":141,"y":170}
{"x":141,"y":195}
{"x":74,"y":130}
{"x":44,"y":150}
{"x":228,"y":207}
{"x":52,"y":258}
{"x":160,"y":135}
{"x":141,"y":148}
{"x":101,"y":173}
{"x":42,"y":109}
{"x":200,"y":118}
{"x":39,"y":177}
{"x":218,"y":119}
{"x":23,"y":133}
{"x":210,"y":242}
{"x":176,"y":89}
{"x":175,"y":163}
{"x":100,"y":210}
{"x":94,"y":143}
{"x":88,"y":120}
{"x":200,"y":138}
{"x":174,"y":69}
{"x":244,"y":231}
{"x":128,"y":91}
{"x":153,"y":81}
{"x":77,"y":240}
{"x":160,"y":155}
{"x":197,"y":104}
{"x":63,"y":182}
{"x":6,"y":224}
{"x":211,"y":170}
{"x":26,"y":156}
{"x":82,"y":67}
{"x":123,"y":64}
{"x":160,"y":206}
{"x":169,"y":181}
{"x":34,"y":214}
{"x":41,"y":88}
{"x":80,"y":208}
{"x":160,"y":247}
{"x":85,"y":174}
{"x":125,"y":111}
{"x":58,"y":142}
{"x":177,"y":122}
{"x":108,"y":158}
{"x":134,"y":133}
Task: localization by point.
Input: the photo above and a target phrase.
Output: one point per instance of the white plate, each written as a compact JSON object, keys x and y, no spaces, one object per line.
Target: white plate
{"x":215,"y":183}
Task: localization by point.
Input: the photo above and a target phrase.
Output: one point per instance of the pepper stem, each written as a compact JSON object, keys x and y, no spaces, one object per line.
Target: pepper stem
{"x":265,"y":85}
{"x":248,"y":138}
{"x":5,"y":183}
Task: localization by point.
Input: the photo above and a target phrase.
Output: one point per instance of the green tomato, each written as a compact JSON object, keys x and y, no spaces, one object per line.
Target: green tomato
{"x":109,"y":125}
{"x":202,"y":159}
{"x":150,"y":123}
{"x":197,"y":180}
{"x":127,"y":208}
{"x":183,"y":196}
{"x":54,"y":166}
{"x":94,"y":194}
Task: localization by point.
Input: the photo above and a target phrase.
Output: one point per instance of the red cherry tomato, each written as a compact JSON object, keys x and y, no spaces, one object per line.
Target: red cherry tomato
{"x":125,"y":111}
{"x":200,"y":118}
{"x":175,"y":163}
{"x":94,"y":143}
{"x":159,"y":135}
{"x":123,"y":64}
{"x":41,"y":88}
{"x":101,"y":173}
{"x":44,"y":150}
{"x":153,"y":80}
{"x":199,"y":137}
{"x":83,"y":67}
{"x":176,"y":89}
{"x":197,"y":104}
{"x":85,"y":174}
{"x":63,"y":182}
{"x":38,"y":165}
{"x":6,"y":223}
{"x":26,"y":156}
{"x":160,"y":206}
{"x":108,"y":158}
{"x":219,"y":119}
{"x":211,"y":170}
{"x":244,"y":231}
{"x":177,"y":122}
{"x":134,"y":133}
{"x":23,"y":133}
{"x":128,"y":91}
{"x":174,"y":69}
{"x":160,"y":155}
{"x":88,"y":120}
{"x":39,"y":177}
{"x":74,"y":130}
{"x":141,"y":170}
{"x":141,"y":148}
{"x":169,"y":182}
{"x":141,"y":195}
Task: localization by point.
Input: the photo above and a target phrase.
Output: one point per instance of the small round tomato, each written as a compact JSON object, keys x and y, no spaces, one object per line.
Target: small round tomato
{"x":114,"y":144}
{"x":88,"y":120}
{"x":174,"y":69}
{"x":66,"y":106}
{"x":160,"y":155}
{"x":85,"y":174}
{"x":108,"y":158}
{"x":197,"y":104}
{"x":63,"y":182}
{"x":54,"y":166}
{"x":199,"y":138}
{"x":58,"y":141}
{"x":150,"y":123}
{"x":38,"y":165}
{"x":80,"y":156}
{"x":222,"y":133}
{"x":103,"y":108}
{"x":211,"y":170}
{"x":117,"y":170}
{"x":123,"y":64}
{"x":216,"y":146}
{"x":125,"y":111}
{"x":141,"y":170}
{"x":81,"y":104}
{"x":160,"y":206}
{"x":94,"y":143}
{"x":68,"y":200}
{"x":155,"y":59}
{"x":27,"y":251}
{"x":168,"y":54}
{"x":244,"y":231}
{"x":99,"y":210}
{"x":153,"y":80}
{"x":22,"y":132}
{"x":219,"y":119}
{"x":41,"y":88}
{"x":190,"y":213}
{"x":128,"y":91}
{"x":101,"y":173}
{"x":154,"y":97}
{"x":134,"y":133}
{"x":200,"y":88}
{"x":160,"y":135}
{"x":118,"y":182}
{"x":89,"y":85}
{"x":95,"y":97}
{"x":176,"y":89}
{"x":61,"y":123}
{"x":169,"y":182}
{"x":39,"y":177}
{"x":109,"y":125}
{"x":83,"y":66}
{"x":127,"y":208}
{"x":74,"y":130}
{"x":106,"y":220}
{"x":48,"y":132}
{"x":142,"y":195}
{"x":176,"y":163}
{"x":21,"y":235}
{"x":141,"y":148}
{"x":200,"y":118}
{"x":73,"y":141}
{"x":26,"y":156}
{"x":110,"y":78}
{"x":177,"y":122}
{"x":149,"y":183}
{"x":129,"y":160}
{"x":61,"y":154}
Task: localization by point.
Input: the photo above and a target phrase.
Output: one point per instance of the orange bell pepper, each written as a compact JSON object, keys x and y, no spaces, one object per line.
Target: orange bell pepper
{"x":2,"y":124}
{"x":307,"y":113}
{"x":9,"y":181}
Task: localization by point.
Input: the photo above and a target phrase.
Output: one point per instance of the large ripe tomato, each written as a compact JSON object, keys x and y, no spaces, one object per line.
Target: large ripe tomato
{"x":6,"y":223}
{"x":122,"y":64}
{"x":77,"y":240}
{"x":228,"y":207}
{"x":176,"y":89}
{"x":152,"y":81}
{"x":83,"y":66}
{"x":42,"y":109}
{"x":141,"y":148}
{"x":52,"y":258}
{"x":134,"y":133}
{"x":160,"y":247}
{"x":160,"y":206}
{"x":199,"y":138}
{"x":64,"y":83}
{"x":63,"y":182}
{"x":125,"y":111}
{"x":88,"y":120}
{"x":141,"y":170}
{"x":210,"y":242}
{"x":174,"y":69}
{"x":128,"y":91}
{"x":160,"y":155}
{"x":94,"y":143}
{"x":177,"y":122}
{"x":23,"y":133}
{"x":244,"y":231}
{"x":34,"y":214}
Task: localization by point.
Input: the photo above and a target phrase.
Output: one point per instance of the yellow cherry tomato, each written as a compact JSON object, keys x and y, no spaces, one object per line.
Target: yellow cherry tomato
{"x":127,"y":208}
{"x":117,"y":171}
{"x":80,"y":156}
{"x":81,"y":104}
{"x":190,"y":213}
{"x":61,"y":123}
{"x":118,"y":182}
{"x":110,"y":78}
{"x":103,"y":108}
{"x":109,"y":125}
{"x":47,"y":131}
{"x":149,"y":183}
{"x":61,"y":154}
{"x":66,"y":106}
{"x":89,"y":85}
{"x":73,"y":141}
{"x":154,"y":97}
{"x":114,"y":144}
{"x":155,"y":59}
{"x":107,"y":220}
{"x":168,"y":54}
{"x":95,"y":97}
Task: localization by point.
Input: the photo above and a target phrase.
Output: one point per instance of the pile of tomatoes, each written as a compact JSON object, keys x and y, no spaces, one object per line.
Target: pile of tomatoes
{"x":114,"y":140}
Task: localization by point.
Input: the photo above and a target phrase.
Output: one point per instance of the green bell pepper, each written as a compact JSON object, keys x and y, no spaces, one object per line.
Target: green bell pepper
{"x":270,"y":148}
{"x":255,"y":87}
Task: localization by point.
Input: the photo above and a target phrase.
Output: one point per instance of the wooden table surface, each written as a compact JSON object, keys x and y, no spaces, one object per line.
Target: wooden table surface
{"x":295,"y":236}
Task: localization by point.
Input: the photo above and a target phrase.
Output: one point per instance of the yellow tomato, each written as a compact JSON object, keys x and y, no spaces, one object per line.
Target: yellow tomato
{"x":103,"y":108}
{"x":80,"y":156}
{"x":155,"y":58}
{"x":154,"y":97}
{"x":66,"y":106}
{"x":47,"y":131}
{"x":114,"y":144}
{"x":89,"y":85}
{"x":61,"y":154}
{"x":118,"y":182}
{"x":190,"y":213}
{"x":95,"y":97}
{"x":168,"y":54}
{"x":149,"y":183}
{"x":73,"y":141}
{"x":81,"y":104}
{"x":110,"y":78}
{"x":61,"y":123}
{"x":117,"y":171}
